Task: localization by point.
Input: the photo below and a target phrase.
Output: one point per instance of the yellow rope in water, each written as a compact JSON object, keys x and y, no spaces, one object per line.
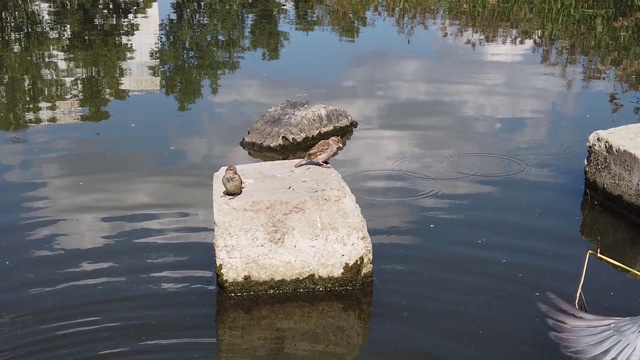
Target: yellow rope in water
{"x":584,"y":271}
{"x":609,"y":260}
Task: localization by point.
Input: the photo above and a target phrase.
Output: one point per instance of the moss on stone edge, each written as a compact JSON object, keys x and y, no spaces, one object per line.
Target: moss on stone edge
{"x":292,"y":149}
{"x":351,"y":278}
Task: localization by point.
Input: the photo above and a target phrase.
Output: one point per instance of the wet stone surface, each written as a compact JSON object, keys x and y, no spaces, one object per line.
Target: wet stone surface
{"x":288,"y":130}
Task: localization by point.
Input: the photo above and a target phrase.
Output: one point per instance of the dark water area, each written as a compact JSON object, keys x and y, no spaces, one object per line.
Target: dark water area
{"x":467,"y":164}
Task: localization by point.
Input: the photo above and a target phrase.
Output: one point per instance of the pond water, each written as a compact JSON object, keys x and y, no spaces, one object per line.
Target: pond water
{"x":467,"y":163}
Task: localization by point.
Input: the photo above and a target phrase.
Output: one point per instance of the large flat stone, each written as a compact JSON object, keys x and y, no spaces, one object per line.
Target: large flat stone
{"x":291,"y":229}
{"x":613,"y":164}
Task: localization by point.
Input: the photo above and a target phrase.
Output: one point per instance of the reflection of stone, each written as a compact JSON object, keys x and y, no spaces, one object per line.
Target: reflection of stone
{"x":613,"y":165}
{"x":607,"y":227}
{"x":291,"y":128}
{"x":291,"y":229}
{"x":309,"y":326}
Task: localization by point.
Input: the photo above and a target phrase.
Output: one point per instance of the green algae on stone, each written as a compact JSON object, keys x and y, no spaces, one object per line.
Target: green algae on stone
{"x":289,"y":130}
{"x":352,"y":277}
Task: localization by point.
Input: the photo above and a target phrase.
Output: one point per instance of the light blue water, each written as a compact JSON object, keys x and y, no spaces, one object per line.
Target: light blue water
{"x":468,"y":166}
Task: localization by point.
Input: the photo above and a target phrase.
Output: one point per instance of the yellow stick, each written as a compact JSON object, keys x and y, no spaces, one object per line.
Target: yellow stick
{"x":609,"y":260}
{"x":584,"y":273}
{"x":601,"y":257}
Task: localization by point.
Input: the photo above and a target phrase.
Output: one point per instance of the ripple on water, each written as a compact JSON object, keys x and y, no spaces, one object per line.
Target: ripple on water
{"x":574,"y":147}
{"x":429,"y":168}
{"x":486,"y":165}
{"x":391,"y":185}
{"x":459,"y":166}
{"x":546,"y":163}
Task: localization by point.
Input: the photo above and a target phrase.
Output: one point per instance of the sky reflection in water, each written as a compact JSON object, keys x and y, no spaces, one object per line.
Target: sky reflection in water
{"x":467,"y":164}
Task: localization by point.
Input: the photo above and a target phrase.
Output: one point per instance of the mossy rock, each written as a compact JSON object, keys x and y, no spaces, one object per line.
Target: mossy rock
{"x":288,"y":130}
{"x":353,"y":276}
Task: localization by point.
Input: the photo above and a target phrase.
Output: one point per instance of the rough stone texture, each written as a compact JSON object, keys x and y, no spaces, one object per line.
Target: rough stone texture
{"x":612,"y":167}
{"x":322,"y":326}
{"x":289,"y":129}
{"x":291,"y":229}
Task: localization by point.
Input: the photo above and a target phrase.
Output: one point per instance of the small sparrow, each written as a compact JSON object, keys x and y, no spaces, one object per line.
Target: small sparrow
{"x":232,"y":182}
{"x":322,"y":152}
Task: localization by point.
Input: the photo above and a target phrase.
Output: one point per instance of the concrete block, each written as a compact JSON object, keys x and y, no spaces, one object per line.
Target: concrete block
{"x":291,"y":229}
{"x":612,"y":166}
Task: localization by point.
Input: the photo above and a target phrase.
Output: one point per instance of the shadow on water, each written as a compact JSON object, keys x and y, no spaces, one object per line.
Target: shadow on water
{"x":297,"y":152}
{"x":311,"y":326}
{"x":77,"y":56}
{"x":613,"y":233}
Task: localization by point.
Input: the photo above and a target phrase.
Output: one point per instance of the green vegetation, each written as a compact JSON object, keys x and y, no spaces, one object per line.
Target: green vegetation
{"x":205,"y":40}
{"x":58,"y":50}
{"x":53,"y":51}
{"x":601,"y":36}
{"x":353,"y":276}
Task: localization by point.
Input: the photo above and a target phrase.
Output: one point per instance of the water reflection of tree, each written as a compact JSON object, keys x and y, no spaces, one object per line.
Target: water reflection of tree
{"x":95,"y":46}
{"x":601,"y":36}
{"x":204,"y":40}
{"x":24,"y":45}
{"x":59,"y":50}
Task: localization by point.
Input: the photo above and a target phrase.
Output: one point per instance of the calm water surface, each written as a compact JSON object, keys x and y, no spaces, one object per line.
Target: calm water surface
{"x":468,"y":166}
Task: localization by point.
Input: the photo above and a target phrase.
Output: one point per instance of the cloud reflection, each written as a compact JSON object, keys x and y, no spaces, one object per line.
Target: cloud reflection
{"x":81,"y":282}
{"x":430,"y":133}
{"x":88,"y":266}
{"x":88,"y":200}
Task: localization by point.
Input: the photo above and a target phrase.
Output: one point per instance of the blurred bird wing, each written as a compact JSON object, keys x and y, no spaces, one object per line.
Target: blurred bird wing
{"x":320,"y":148}
{"x":587,"y":336}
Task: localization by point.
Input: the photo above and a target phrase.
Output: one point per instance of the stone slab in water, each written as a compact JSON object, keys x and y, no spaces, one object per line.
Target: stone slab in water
{"x":293,"y":125}
{"x":613,"y":165}
{"x":291,"y":229}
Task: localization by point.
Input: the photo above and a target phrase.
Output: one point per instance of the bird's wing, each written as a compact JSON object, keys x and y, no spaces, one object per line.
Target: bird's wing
{"x":321,"y":147}
{"x":586,"y":336}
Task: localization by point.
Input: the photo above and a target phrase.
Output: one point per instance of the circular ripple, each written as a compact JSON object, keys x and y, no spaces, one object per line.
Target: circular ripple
{"x":576,"y":148}
{"x":389,"y":185}
{"x":543,"y":162}
{"x":548,"y":165}
{"x":527,"y":148}
{"x":489,"y":165}
{"x":425,"y":168}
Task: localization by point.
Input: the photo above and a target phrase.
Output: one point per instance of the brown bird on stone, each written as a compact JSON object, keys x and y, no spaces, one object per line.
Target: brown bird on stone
{"x":322,"y":152}
{"x":232,"y":182}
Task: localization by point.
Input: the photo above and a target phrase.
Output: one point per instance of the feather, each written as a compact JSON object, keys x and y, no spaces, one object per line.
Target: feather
{"x":587,"y":336}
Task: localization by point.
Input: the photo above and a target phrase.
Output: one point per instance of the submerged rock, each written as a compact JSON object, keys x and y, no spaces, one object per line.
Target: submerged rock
{"x":288,"y":130}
